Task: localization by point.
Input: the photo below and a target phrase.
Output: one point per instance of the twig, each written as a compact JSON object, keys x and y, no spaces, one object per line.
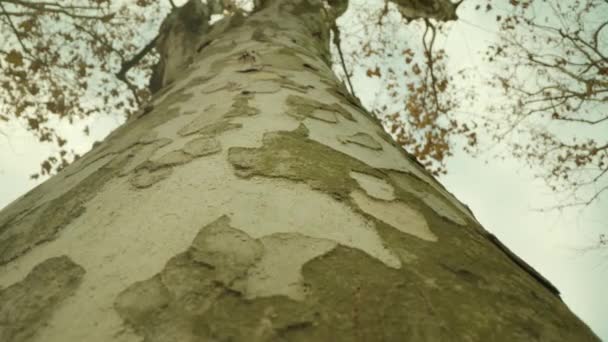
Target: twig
{"x":59,"y":9}
{"x":336,"y":40}
{"x":336,"y":32}
{"x":428,"y":49}
{"x":127,"y":65}
{"x":14,"y":29}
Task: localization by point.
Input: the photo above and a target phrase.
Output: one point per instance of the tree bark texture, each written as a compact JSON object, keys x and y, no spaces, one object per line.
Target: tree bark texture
{"x":253,"y":199}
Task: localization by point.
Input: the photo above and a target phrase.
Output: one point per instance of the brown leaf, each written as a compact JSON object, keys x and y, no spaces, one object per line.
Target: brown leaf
{"x":35,"y":65}
{"x":27,"y":25}
{"x":82,"y":69}
{"x":46,"y":167}
{"x":416,"y":69}
{"x":14,"y":57}
{"x":371,"y":73}
{"x":33,"y":123}
{"x":61,"y":141}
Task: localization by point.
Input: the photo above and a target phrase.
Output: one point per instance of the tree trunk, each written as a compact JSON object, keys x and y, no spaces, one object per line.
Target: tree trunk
{"x":255,"y":200}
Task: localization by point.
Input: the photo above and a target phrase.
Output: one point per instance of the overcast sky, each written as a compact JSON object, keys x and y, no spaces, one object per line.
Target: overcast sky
{"x":501,"y":193}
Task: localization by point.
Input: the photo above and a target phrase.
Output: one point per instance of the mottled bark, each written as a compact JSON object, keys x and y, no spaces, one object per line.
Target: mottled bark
{"x":254,"y":200}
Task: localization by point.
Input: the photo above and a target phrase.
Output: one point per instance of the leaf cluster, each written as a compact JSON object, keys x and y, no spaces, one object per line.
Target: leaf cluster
{"x":417,"y":94}
{"x":58,"y":61}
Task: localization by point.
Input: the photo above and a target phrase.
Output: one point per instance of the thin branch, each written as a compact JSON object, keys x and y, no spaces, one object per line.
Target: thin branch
{"x":336,"y":32}
{"x":591,"y":122}
{"x":14,"y":29}
{"x":42,"y":4}
{"x":336,"y":41}
{"x":58,"y":9}
{"x":581,"y":203}
{"x":99,"y":38}
{"x":428,"y":50}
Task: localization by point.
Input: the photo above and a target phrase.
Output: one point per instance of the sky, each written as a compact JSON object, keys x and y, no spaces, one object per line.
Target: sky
{"x":503,"y":194}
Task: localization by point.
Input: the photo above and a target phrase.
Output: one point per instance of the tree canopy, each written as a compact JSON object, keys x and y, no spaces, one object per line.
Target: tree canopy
{"x":68,"y":59}
{"x":548,"y":85}
{"x":62,"y":60}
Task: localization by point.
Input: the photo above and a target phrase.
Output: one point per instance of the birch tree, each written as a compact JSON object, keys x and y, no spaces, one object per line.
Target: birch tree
{"x":254,"y":199}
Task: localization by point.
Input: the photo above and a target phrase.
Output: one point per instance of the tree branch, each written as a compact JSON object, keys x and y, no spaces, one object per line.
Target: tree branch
{"x":14,"y":29}
{"x":59,"y":9}
{"x":336,"y":32}
{"x":127,"y":65}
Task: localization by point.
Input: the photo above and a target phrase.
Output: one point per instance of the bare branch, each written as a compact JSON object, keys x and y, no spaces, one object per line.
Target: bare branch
{"x":14,"y":29}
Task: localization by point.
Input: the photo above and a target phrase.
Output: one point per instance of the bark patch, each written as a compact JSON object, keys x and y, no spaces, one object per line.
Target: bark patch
{"x":361,"y":139}
{"x":202,"y":147}
{"x":201,"y":125}
{"x":305,"y":107}
{"x":23,"y":231}
{"x":145,"y":178}
{"x":241,"y":107}
{"x":28,"y":304}
{"x":374,"y":186}
{"x":292,"y":156}
{"x":411,"y":185}
{"x":151,"y":172}
{"x":172,"y":304}
{"x":397,"y":214}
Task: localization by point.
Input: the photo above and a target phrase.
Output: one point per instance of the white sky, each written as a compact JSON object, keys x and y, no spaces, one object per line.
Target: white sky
{"x":501,"y":193}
